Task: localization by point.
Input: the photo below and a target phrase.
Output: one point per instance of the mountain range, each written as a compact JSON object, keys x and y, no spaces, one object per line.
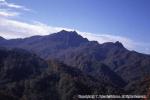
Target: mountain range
{"x":62,"y":65}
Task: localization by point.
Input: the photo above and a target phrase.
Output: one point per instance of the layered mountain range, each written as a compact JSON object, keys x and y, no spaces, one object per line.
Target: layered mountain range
{"x":62,"y":65}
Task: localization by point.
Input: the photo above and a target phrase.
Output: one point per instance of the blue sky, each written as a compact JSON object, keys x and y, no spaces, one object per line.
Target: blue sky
{"x":103,"y":20}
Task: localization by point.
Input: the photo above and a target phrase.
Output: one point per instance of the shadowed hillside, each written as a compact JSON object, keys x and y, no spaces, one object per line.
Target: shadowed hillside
{"x":64,"y":64}
{"x":28,"y":77}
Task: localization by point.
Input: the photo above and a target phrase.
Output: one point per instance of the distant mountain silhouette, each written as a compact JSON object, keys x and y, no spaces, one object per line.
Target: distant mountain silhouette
{"x":1,"y":39}
{"x":108,"y":63}
{"x":47,"y":46}
{"x":129,"y":65}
